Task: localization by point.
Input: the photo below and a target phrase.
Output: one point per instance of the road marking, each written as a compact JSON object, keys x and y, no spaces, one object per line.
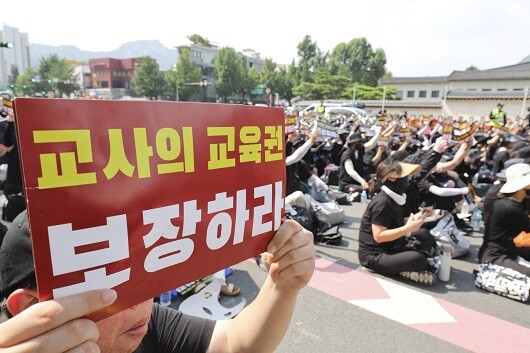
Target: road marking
{"x":452,"y":323}
{"x":405,"y":305}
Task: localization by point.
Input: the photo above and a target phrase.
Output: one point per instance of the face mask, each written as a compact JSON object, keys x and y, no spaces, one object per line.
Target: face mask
{"x":357,"y":145}
{"x":527,"y":192}
{"x":399,"y":186}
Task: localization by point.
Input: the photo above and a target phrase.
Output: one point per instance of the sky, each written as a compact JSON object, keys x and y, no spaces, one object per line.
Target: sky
{"x":420,"y":38}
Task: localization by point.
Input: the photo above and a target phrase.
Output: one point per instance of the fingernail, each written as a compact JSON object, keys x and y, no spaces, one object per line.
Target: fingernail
{"x":109,"y":296}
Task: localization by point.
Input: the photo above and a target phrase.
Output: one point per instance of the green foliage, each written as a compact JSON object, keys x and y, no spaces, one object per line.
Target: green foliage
{"x":26,"y":85}
{"x":227,"y":72}
{"x":310,"y":59}
{"x":147,"y":80}
{"x":54,"y":75}
{"x":249,"y":77}
{"x":184,"y":73}
{"x":358,"y":61}
{"x":12,"y":79}
{"x":197,"y":39}
{"x":57,"y":75}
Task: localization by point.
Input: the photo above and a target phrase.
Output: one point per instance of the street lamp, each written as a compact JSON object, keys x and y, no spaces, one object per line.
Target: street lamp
{"x":6,"y":45}
{"x":203,"y":83}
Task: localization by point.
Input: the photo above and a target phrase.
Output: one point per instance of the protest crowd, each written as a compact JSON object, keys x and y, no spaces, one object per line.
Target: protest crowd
{"x":427,"y":182}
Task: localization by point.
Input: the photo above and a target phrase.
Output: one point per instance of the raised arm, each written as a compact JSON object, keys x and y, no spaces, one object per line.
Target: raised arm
{"x":261,"y":326}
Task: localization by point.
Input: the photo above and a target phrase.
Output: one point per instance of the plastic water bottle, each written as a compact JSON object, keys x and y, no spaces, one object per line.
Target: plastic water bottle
{"x":165,"y":298}
{"x":476,"y":218}
{"x":465,"y":208}
{"x":364,"y":196}
{"x":445,"y":262}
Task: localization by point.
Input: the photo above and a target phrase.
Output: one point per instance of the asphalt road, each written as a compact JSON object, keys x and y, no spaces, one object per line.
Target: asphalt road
{"x":325,"y":322}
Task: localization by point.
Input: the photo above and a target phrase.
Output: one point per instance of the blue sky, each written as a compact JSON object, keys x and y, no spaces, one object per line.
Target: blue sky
{"x":420,"y":38}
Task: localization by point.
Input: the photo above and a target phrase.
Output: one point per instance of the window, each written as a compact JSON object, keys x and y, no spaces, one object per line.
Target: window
{"x":435,"y":94}
{"x":410,"y":94}
{"x":501,"y":90}
{"x":423,"y":94}
{"x":472,"y":90}
{"x":486,"y":90}
{"x":517,"y":89}
{"x":104,"y":84}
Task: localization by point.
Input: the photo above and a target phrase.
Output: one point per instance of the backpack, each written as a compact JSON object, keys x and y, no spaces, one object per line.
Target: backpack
{"x":13,"y":206}
{"x":323,"y":232}
{"x":503,"y":281}
{"x":446,"y":232}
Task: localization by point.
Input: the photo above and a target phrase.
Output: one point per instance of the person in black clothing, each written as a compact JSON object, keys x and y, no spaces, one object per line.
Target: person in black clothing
{"x":503,"y":153}
{"x":388,"y":245}
{"x":60,"y":325}
{"x":351,"y":173}
{"x":13,"y":182}
{"x":508,"y":219}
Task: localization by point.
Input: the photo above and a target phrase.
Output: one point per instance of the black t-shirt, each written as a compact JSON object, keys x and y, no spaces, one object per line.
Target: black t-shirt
{"x":170,"y":331}
{"x":509,"y":218}
{"x":382,"y":211}
{"x":358,"y":165}
{"x":297,"y":172}
{"x":499,"y":159}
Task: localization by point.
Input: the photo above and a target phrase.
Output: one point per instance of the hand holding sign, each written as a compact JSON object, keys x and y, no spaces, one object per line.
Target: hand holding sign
{"x":56,"y":325}
{"x":291,"y":256}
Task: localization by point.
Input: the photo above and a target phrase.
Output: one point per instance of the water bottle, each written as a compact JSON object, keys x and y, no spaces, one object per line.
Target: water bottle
{"x":364,"y":196}
{"x":465,"y":208}
{"x":476,"y":218}
{"x":445,"y":262}
{"x":165,"y":298}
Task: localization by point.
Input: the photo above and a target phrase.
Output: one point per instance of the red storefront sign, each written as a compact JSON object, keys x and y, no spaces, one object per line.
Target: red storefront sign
{"x":146,"y":196}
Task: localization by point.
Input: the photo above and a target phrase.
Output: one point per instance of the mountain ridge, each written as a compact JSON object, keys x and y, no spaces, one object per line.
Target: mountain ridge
{"x":165,"y":57}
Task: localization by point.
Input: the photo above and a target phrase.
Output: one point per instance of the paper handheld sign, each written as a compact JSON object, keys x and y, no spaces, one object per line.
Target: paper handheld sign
{"x":148,"y":195}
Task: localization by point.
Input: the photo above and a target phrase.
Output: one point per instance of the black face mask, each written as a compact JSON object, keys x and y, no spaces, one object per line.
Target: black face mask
{"x":399,"y":186}
{"x":527,"y":192}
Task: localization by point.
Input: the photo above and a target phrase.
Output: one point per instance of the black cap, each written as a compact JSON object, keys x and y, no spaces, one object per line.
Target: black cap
{"x":16,"y":257}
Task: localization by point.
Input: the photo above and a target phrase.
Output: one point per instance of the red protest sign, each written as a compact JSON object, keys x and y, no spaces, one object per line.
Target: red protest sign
{"x":143,"y":197}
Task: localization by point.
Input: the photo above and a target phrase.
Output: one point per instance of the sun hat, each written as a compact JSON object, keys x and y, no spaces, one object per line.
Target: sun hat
{"x":406,"y":170}
{"x":517,"y":178}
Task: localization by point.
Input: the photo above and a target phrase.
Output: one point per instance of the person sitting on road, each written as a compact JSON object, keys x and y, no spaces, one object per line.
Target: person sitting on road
{"x":352,"y":168}
{"x":508,"y":219}
{"x":60,"y":325}
{"x":388,"y":245}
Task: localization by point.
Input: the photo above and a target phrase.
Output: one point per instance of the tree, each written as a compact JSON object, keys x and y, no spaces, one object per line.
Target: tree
{"x":12,"y":79}
{"x":185,"y":72}
{"x":227,"y":72}
{"x":284,"y":86}
{"x":358,"y":61}
{"x":26,"y":83}
{"x":249,"y":77}
{"x":310,"y":58}
{"x":147,"y":80}
{"x":57,"y":75}
{"x":197,"y":39}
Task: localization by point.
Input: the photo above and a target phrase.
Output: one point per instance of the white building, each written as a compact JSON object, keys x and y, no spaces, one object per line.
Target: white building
{"x":469,"y":93}
{"x":17,"y":56}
